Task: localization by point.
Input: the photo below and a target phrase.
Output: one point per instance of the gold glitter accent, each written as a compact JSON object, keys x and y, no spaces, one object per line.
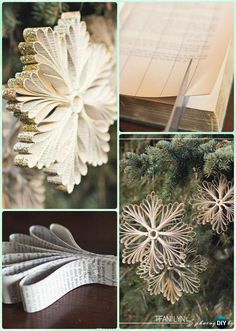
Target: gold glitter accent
{"x":9,"y":94}
{"x":11,"y":83}
{"x":15,"y":82}
{"x":21,"y":147}
{"x":30,"y":34}
{"x":26,"y":136}
{"x":24,"y":119}
{"x":23,"y":75}
{"x":60,"y":188}
{"x":30,"y":128}
{"x":21,"y":160}
{"x":28,"y":59}
{"x":31,"y":67}
{"x":26,"y":48}
{"x":13,"y":106}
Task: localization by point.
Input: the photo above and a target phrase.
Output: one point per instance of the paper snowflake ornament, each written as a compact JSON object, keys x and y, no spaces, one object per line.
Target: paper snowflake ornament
{"x":102,"y":29}
{"x":154,"y":233}
{"x":156,"y":238}
{"x":64,"y":98}
{"x":214,"y":203}
{"x":173,"y":282}
{"x":22,"y":187}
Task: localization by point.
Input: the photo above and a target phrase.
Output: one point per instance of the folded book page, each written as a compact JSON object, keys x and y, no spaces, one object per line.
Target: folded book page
{"x":38,"y":269}
{"x":157,"y":41}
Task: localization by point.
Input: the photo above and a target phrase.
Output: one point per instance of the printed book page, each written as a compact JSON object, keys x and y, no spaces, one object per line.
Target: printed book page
{"x":157,"y":41}
{"x":38,"y":269}
{"x":206,"y":102}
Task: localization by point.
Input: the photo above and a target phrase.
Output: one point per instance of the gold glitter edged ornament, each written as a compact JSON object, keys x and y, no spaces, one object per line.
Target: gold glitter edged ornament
{"x":65,"y":100}
{"x":22,"y":187}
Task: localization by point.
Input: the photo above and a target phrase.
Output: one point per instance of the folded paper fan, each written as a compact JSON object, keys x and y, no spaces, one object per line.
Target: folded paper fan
{"x":65,"y":100}
{"x":38,"y":269}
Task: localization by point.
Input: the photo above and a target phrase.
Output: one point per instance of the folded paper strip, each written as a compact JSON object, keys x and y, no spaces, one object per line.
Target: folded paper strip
{"x":38,"y":269}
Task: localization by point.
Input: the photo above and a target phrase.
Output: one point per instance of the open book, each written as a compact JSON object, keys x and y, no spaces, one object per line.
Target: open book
{"x":157,"y":41}
{"x":38,"y":269}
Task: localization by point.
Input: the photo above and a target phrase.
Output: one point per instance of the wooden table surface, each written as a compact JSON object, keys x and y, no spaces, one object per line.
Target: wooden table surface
{"x":90,"y":306}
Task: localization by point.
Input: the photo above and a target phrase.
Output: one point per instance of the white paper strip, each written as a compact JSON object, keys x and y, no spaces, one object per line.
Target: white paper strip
{"x":38,"y":269}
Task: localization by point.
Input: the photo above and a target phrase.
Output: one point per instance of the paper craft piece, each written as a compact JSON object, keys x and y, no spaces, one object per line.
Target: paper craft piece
{"x":153,"y":233}
{"x":38,"y":269}
{"x":65,"y":100}
{"x":157,"y":41}
{"x":214,"y":203}
{"x":22,"y":187}
{"x":174,"y":281}
{"x":102,"y":29}
{"x":156,"y":239}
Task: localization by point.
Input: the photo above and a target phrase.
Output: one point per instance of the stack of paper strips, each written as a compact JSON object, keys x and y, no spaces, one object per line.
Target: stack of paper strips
{"x":157,"y":41}
{"x":38,"y":269}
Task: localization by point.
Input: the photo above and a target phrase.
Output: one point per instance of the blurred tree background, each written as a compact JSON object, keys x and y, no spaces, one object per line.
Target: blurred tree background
{"x":173,"y":167}
{"x":98,"y":188}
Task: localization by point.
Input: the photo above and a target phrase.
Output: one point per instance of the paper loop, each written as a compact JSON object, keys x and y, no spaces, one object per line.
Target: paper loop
{"x":38,"y":269}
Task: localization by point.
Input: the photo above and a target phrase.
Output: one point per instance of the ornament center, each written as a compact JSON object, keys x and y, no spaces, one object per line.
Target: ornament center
{"x":77,"y":104}
{"x":153,"y":234}
{"x":219,"y":202}
{"x":170,"y":268}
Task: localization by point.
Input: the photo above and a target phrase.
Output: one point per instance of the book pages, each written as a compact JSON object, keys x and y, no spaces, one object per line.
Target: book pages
{"x":38,"y":269}
{"x":65,"y":100}
{"x":157,"y":41}
{"x":206,"y":102}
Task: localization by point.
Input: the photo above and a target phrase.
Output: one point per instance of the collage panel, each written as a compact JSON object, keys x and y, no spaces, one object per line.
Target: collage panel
{"x":117,"y":140}
{"x":59,"y":105}
{"x":176,"y":231}
{"x":59,"y":270}
{"x":176,"y":66}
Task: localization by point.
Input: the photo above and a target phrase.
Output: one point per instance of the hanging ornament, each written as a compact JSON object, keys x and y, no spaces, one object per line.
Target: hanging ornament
{"x":214,"y":203}
{"x":64,"y":98}
{"x":173,"y":282}
{"x":155,"y":237}
{"x":22,"y":187}
{"x":154,"y":233}
{"x":102,"y":29}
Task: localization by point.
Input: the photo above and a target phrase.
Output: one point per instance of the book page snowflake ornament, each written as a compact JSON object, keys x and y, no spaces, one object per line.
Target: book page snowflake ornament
{"x":64,"y":98}
{"x":156,"y":238}
{"x":173,"y":282}
{"x":102,"y":29}
{"x":22,"y":187}
{"x":154,"y":233}
{"x":214,"y":203}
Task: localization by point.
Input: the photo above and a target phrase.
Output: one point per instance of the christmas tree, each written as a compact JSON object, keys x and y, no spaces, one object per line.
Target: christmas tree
{"x":181,"y":170}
